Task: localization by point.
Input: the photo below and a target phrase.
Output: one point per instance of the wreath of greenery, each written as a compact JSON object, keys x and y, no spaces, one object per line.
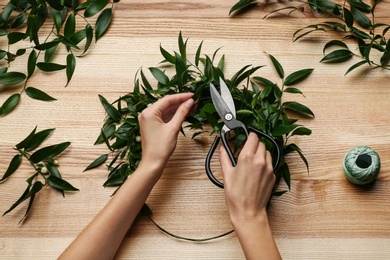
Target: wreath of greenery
{"x":258,"y":100}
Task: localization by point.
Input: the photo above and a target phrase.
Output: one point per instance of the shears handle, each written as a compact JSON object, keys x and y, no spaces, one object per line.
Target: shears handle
{"x":276,"y":157}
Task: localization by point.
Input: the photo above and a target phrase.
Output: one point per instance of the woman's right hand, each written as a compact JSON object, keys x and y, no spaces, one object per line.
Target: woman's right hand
{"x":248,"y":188}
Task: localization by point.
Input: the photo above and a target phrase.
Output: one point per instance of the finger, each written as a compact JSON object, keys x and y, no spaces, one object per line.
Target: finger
{"x":224,"y":160}
{"x":251,"y":144}
{"x":181,"y":113}
{"x":170,"y":100}
{"x":268,"y":160}
{"x":261,"y":150}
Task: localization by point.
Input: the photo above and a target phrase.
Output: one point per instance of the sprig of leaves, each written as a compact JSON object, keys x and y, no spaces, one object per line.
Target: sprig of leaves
{"x":259,"y":103}
{"x":355,"y":21}
{"x":44,"y":164}
{"x":21,"y":23}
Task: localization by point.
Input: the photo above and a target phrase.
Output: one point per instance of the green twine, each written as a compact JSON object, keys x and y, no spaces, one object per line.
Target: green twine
{"x":361,"y":165}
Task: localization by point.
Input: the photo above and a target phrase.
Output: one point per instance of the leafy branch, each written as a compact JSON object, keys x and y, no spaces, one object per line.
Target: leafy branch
{"x":21,"y":22}
{"x":354,"y":20}
{"x":44,"y":164}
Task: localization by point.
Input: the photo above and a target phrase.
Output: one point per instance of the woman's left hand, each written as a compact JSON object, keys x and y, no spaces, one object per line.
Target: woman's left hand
{"x":160,"y":124}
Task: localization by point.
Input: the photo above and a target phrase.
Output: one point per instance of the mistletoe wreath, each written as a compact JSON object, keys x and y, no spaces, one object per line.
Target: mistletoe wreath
{"x":258,"y":101}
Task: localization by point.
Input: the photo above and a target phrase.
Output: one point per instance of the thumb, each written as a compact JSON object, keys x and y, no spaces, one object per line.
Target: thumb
{"x":181,"y":113}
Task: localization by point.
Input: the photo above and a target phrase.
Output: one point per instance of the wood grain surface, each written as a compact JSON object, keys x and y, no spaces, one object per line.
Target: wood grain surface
{"x":322,"y":217}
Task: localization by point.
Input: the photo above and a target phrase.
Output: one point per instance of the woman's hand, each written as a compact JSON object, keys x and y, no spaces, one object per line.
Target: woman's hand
{"x":248,"y":188}
{"x":160,"y":124}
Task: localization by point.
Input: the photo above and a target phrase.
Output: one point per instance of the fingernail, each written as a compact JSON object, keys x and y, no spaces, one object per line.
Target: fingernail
{"x":189,"y":102}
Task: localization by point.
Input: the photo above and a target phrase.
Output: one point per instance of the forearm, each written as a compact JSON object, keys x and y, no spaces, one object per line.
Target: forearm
{"x":256,"y":238}
{"x":103,"y":236}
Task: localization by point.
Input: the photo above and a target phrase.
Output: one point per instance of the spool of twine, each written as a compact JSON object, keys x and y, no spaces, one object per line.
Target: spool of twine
{"x":361,"y":165}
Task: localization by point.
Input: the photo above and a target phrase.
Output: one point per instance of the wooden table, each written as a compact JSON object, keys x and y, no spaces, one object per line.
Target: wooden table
{"x":323,"y":216}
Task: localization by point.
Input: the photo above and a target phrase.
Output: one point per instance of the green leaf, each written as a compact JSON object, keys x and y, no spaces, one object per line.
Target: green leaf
{"x":361,"y":18}
{"x":297,"y":77}
{"x":286,"y":174}
{"x":49,"y":53}
{"x":100,"y":160}
{"x":26,"y":141}
{"x":2,"y":54}
{"x":337,"y":56}
{"x":37,"y":186}
{"x":198,"y":52}
{"x":60,"y":184}
{"x":7,"y":11}
{"x":57,"y":18}
{"x":167,"y":56}
{"x":56,"y":4}
{"x":12,"y":78}
{"x":70,"y":67}
{"x":102,"y":23}
{"x":20,"y":200}
{"x":10,"y":104}
{"x":159,"y":75}
{"x":32,"y":60}
{"x":70,"y":26}
{"x":38,"y":94}
{"x":360,"y":63}
{"x":241,"y":5}
{"x":47,"y":45}
{"x":80,"y":35}
{"x":19,"y":21}
{"x":348,"y":17}
{"x":334,"y":43}
{"x":112,"y":112}
{"x":360,"y":5}
{"x":68,"y":43}
{"x":294,"y":147}
{"x":89,"y":36}
{"x":95,"y":7}
{"x":28,"y":193}
{"x":298,"y":107}
{"x":293,"y":91}
{"x":38,"y":139}
{"x":53,"y":170}
{"x":277,"y":66}
{"x":48,"y":152}
{"x":385,"y":58}
{"x":301,"y":131}
{"x":108,"y":131}
{"x":281,"y":130}
{"x":14,"y":37}
{"x":13,"y":166}
{"x":50,"y":67}
{"x":182,"y":47}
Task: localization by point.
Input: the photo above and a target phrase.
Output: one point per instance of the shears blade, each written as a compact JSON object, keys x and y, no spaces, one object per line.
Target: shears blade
{"x":220,"y":104}
{"x":227,"y":96}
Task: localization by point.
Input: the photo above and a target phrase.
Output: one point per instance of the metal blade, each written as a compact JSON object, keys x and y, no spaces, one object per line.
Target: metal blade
{"x":227,"y":97}
{"x":219,"y":103}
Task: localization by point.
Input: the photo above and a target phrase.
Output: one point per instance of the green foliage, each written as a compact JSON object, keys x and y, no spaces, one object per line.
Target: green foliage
{"x":355,"y":22}
{"x":259,"y":102}
{"x":44,"y":164}
{"x":20,"y":26}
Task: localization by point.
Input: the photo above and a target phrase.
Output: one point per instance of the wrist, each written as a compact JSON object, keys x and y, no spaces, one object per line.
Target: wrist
{"x":154,"y":168}
{"x":243,"y":221}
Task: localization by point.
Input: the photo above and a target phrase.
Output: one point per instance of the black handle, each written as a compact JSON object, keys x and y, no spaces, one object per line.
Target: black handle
{"x":208,"y":161}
